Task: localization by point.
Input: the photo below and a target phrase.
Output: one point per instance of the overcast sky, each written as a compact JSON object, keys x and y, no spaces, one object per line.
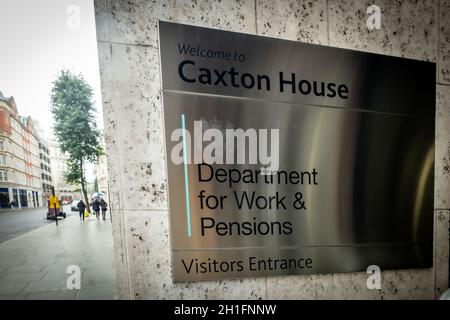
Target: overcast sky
{"x":38,"y":39}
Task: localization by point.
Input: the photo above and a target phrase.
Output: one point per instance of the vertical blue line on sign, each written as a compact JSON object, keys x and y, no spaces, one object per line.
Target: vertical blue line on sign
{"x":186,"y":178}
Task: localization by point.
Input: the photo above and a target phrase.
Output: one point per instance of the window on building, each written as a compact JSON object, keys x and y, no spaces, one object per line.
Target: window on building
{"x":23,"y":198}
{"x":15,"y":197}
{"x":2,"y":145}
{"x":2,"y":160}
{"x":4,"y":198}
{"x":3,"y":176}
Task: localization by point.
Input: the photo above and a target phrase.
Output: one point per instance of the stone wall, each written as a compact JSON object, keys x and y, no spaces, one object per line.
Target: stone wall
{"x":131,"y":91}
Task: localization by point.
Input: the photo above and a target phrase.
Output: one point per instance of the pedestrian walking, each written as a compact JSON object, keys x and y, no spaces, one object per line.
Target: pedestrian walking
{"x":96,"y":207}
{"x":104,"y":207}
{"x":81,"y":207}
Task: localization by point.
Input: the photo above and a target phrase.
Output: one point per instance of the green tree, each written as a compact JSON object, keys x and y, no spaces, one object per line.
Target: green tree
{"x":74,"y":126}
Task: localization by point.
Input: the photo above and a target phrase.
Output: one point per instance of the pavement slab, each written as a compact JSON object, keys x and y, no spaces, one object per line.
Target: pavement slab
{"x":35,"y":264}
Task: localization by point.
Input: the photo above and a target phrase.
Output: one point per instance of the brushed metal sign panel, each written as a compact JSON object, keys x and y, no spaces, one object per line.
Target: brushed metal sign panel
{"x":374,"y":82}
{"x":202,"y":265}
{"x":363,"y":166}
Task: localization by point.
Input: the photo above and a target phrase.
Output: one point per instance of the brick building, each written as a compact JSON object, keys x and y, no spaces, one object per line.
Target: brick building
{"x":20,"y":165}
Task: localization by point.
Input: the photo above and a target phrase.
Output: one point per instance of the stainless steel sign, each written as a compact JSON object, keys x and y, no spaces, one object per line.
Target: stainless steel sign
{"x":350,"y":139}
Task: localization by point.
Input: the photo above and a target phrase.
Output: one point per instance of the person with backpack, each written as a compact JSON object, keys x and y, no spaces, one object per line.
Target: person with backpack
{"x":96,"y":207}
{"x":81,"y":207}
{"x":104,"y":207}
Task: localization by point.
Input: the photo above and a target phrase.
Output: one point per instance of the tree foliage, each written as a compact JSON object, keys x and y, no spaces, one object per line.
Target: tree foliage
{"x":74,"y":125}
{"x":74,"y":172}
{"x":73,"y":112}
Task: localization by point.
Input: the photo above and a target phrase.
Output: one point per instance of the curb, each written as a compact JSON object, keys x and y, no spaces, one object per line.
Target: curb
{"x":20,"y":209}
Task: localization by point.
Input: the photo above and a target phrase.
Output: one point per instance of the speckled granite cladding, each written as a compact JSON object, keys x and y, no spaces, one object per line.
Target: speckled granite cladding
{"x":444,"y":42}
{"x":303,"y":20}
{"x":112,"y":154}
{"x":150,"y":272}
{"x":121,"y":253}
{"x":395,"y":284}
{"x":128,"y":54}
{"x":442,"y":145}
{"x":109,"y":121}
{"x":408,"y":28}
{"x":101,"y":20}
{"x":441,"y":228}
{"x":135,"y":22}
{"x":137,"y":102}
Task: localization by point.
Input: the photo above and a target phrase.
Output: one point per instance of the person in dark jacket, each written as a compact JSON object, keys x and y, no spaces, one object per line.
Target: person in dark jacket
{"x":104,"y":207}
{"x":81,"y":207}
{"x":96,"y":207}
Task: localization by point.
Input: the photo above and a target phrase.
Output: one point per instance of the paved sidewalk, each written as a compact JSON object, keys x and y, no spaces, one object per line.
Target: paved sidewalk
{"x":33,"y":265}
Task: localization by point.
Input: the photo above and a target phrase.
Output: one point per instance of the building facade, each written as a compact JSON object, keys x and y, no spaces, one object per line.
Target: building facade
{"x":46,"y":172}
{"x":128,"y":43}
{"x":44,"y":157}
{"x":63,"y":190}
{"x":20,"y":165}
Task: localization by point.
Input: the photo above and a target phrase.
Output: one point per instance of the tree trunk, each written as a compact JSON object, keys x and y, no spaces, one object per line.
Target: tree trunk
{"x":83,"y":188}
